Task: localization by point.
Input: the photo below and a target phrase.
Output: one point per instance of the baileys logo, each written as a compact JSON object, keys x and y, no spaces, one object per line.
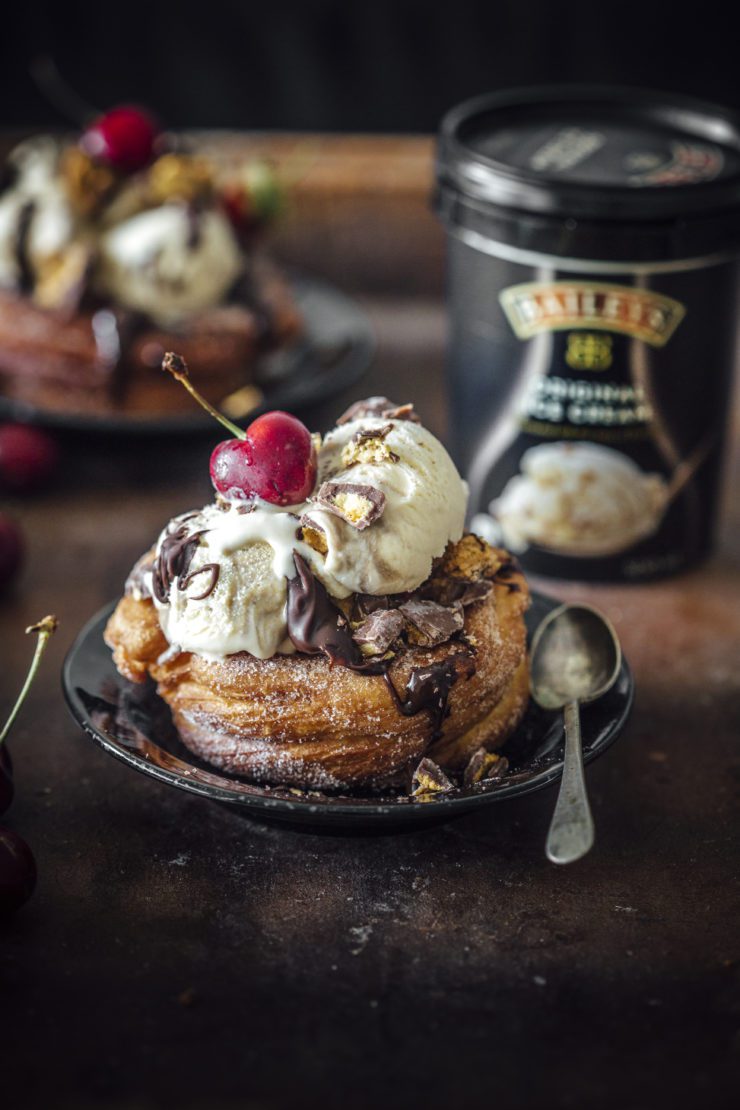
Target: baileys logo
{"x":559,"y":305}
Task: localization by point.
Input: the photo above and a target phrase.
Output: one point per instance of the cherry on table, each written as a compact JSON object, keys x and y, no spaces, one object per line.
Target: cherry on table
{"x":28,"y":458}
{"x":17,"y":872}
{"x":125,"y":138}
{"x":12,"y":549}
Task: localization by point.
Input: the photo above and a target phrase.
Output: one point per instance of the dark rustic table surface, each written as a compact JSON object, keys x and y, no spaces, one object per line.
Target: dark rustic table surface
{"x":176,"y":954}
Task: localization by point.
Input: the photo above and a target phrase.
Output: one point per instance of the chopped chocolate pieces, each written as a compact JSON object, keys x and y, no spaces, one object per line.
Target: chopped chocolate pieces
{"x":371,"y":406}
{"x":475,"y":591}
{"x":359,"y":505}
{"x":367,"y":446}
{"x":432,"y":623}
{"x":428,"y":780}
{"x":365,"y":604}
{"x":316,"y":626}
{"x":313,"y":534}
{"x":379,"y":407}
{"x":378,"y":631}
{"x":447,"y":591}
{"x":484,"y":765}
{"x":372,"y":433}
{"x":403,"y":412}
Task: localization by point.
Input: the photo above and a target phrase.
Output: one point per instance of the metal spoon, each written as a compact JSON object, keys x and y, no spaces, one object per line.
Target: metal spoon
{"x":575,"y":658}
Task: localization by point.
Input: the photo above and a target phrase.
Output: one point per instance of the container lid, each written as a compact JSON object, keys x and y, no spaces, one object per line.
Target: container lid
{"x":596,"y":159}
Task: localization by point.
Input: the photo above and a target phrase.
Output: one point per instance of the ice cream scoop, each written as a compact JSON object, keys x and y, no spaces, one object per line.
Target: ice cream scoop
{"x":231,"y":593}
{"x":169,"y":262}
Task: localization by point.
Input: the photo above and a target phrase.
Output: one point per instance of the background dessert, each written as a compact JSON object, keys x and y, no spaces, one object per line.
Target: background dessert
{"x":335,"y":637}
{"x":119,"y":245}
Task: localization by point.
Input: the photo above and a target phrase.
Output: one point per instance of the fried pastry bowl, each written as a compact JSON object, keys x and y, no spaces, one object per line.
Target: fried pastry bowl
{"x":298,"y":720}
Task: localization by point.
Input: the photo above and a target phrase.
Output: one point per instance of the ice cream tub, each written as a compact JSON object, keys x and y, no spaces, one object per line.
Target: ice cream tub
{"x":593,"y":241}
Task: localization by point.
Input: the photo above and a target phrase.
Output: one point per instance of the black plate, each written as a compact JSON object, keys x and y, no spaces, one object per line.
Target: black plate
{"x":338,"y":347}
{"x":134,"y":725}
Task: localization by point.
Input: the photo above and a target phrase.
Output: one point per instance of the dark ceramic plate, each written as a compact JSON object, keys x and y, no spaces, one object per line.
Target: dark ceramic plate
{"x":338,"y":347}
{"x":134,"y":725}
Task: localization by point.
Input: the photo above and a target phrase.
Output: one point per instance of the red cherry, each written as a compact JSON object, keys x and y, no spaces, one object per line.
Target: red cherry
{"x":11,"y":550}
{"x":17,"y":872}
{"x":276,"y":461}
{"x":28,"y":458}
{"x":123,"y":137}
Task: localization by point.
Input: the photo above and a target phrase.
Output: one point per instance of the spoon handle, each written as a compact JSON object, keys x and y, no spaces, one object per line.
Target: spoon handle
{"x":571,"y":832}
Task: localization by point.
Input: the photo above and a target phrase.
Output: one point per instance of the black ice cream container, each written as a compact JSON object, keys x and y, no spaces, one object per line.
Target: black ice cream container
{"x":593,"y":237}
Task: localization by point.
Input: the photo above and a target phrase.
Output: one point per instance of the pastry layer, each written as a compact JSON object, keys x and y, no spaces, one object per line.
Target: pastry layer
{"x":295,"y":720}
{"x":54,"y":362}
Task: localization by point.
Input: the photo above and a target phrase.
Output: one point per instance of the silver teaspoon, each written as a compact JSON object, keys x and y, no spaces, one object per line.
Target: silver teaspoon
{"x":575,"y":658}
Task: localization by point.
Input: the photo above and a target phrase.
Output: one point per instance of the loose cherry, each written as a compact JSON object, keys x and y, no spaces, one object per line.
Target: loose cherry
{"x":17,"y":872}
{"x":28,"y":458}
{"x":124,"y":138}
{"x":274,"y":459}
{"x":45,"y":628}
{"x":12,"y":548}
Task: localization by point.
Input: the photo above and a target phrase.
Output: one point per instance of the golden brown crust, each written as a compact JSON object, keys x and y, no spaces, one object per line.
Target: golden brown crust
{"x":293,"y":719}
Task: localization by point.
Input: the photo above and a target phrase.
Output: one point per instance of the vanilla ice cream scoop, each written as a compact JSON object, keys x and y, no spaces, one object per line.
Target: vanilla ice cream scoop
{"x":169,"y":262}
{"x":35,"y":213}
{"x":579,"y":499}
{"x":233,"y":595}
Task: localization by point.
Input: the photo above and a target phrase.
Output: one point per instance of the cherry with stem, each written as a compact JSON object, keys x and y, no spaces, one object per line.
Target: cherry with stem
{"x":17,"y":863}
{"x":44,"y":630}
{"x":274,"y":459}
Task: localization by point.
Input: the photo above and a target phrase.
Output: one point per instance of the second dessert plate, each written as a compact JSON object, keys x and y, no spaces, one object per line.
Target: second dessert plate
{"x":337,"y":348}
{"x":133,"y":724}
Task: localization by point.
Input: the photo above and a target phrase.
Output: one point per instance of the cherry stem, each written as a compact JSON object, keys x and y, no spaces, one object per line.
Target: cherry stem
{"x":59,"y":93}
{"x":44,"y":628}
{"x":178,"y":368}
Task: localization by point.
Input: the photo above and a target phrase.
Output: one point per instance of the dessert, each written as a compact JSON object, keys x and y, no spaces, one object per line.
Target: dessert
{"x":119,"y":245}
{"x":334,"y":628}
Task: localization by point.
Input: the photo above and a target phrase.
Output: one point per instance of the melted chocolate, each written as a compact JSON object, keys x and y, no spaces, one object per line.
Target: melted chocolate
{"x":213,"y":568}
{"x":317,"y":627}
{"x":23,"y":261}
{"x":429,"y":688}
{"x":173,"y":560}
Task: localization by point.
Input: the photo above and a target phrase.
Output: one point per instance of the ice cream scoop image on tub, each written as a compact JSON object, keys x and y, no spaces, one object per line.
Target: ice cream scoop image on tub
{"x":579,"y":499}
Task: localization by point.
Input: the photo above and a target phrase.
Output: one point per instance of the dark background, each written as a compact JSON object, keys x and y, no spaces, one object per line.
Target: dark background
{"x":384,"y":65}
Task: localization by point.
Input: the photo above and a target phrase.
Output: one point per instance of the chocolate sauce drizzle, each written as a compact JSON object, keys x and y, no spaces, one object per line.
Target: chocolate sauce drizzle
{"x":173,"y":560}
{"x":429,"y":688}
{"x":213,"y":568}
{"x":316,"y":626}
{"x":23,"y":261}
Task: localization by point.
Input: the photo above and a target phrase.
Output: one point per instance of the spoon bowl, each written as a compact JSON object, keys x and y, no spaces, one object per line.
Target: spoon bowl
{"x":575,"y":657}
